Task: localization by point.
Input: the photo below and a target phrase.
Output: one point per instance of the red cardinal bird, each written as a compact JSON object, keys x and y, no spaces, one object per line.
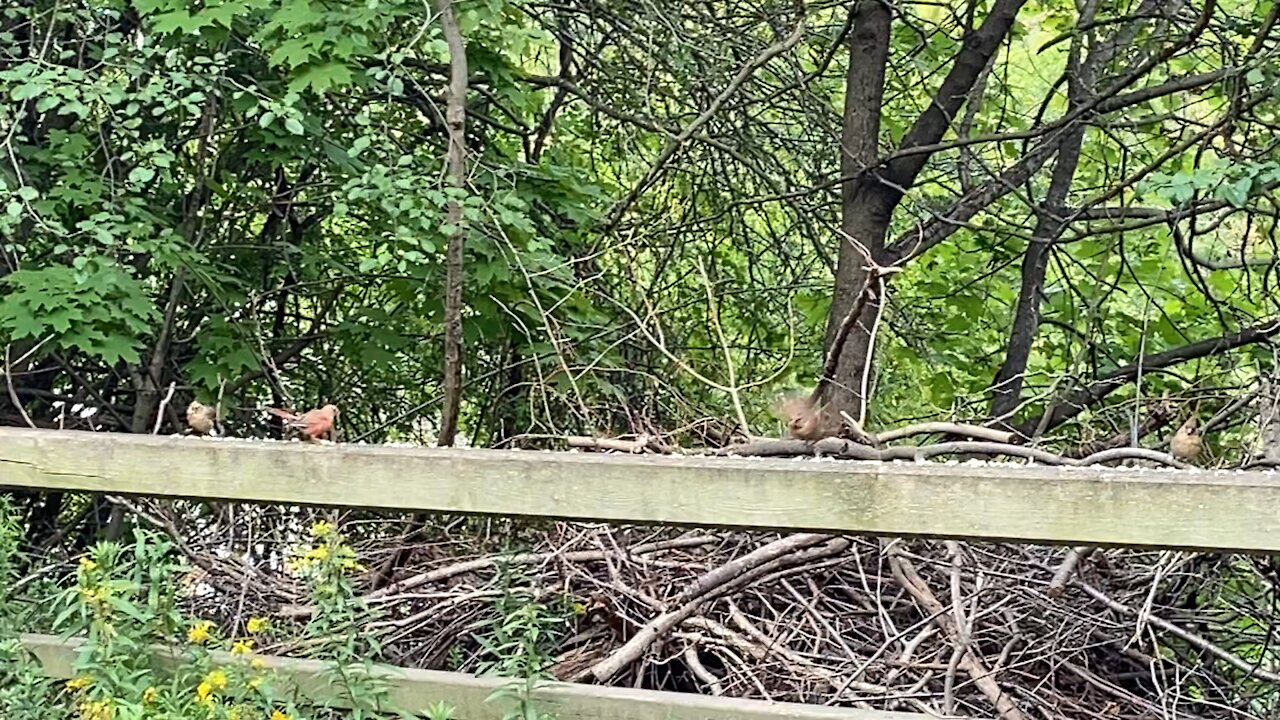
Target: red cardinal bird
{"x":312,"y":424}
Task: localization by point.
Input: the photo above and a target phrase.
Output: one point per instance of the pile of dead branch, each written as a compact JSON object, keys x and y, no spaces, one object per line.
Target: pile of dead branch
{"x":967,"y":630}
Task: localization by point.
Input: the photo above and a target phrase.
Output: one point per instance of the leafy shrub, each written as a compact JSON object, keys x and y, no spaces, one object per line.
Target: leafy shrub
{"x":144,"y":659}
{"x":95,"y":306}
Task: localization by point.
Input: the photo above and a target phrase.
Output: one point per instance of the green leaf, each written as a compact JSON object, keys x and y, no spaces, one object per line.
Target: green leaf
{"x":292,"y":125}
{"x":113,"y":349}
{"x":60,"y":318}
{"x":1237,"y":193}
{"x":320,"y":78}
{"x":293,"y":53}
{"x":28,"y":90}
{"x":179,"y":21}
{"x":225,"y":13}
{"x":26,"y":324}
{"x":147,"y":7}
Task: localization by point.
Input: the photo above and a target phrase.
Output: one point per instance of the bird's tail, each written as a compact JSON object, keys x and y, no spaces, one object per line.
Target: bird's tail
{"x":283,"y":414}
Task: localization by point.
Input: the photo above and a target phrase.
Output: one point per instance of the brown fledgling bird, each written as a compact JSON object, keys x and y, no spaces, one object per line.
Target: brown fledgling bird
{"x":201,"y":418}
{"x":312,"y":424}
{"x":1186,"y":443}
{"x":807,"y":421}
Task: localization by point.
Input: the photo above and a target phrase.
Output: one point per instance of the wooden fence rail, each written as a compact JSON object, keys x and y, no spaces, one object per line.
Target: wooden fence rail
{"x":1236,"y":511}
{"x":1211,"y":510}
{"x":413,"y":690}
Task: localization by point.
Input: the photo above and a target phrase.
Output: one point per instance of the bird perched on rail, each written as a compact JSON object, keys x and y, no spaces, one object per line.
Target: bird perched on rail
{"x":311,"y":425}
{"x":812,"y":420}
{"x":202,"y":419}
{"x":807,"y":420}
{"x":1187,"y":443}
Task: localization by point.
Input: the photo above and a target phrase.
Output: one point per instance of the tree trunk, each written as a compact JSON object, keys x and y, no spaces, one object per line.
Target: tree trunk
{"x":455,"y":121}
{"x":1007,"y":389}
{"x":1269,"y":419}
{"x":865,"y":204}
{"x":151,"y":376}
{"x":1051,"y":220}
{"x":872,"y":189}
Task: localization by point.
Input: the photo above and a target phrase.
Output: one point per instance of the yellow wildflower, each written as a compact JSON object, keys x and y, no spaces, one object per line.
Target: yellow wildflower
{"x":254,"y":683}
{"x":242,"y":647}
{"x":199,"y":632}
{"x":277,"y":715}
{"x":256,"y":625}
{"x":80,"y":683}
{"x":149,"y":695}
{"x":97,"y":710}
{"x":318,"y":553}
{"x":87,"y":564}
{"x":216,"y":678}
{"x":321,"y":528}
{"x":214,"y":681}
{"x":257,"y":663}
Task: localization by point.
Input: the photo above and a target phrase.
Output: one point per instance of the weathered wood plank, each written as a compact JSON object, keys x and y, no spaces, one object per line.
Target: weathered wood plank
{"x":413,"y":690}
{"x":1108,"y":506}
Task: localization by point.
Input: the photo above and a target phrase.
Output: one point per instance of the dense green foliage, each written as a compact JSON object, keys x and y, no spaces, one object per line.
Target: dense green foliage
{"x":245,"y":186}
{"x":124,"y":599}
{"x":246,"y":198}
